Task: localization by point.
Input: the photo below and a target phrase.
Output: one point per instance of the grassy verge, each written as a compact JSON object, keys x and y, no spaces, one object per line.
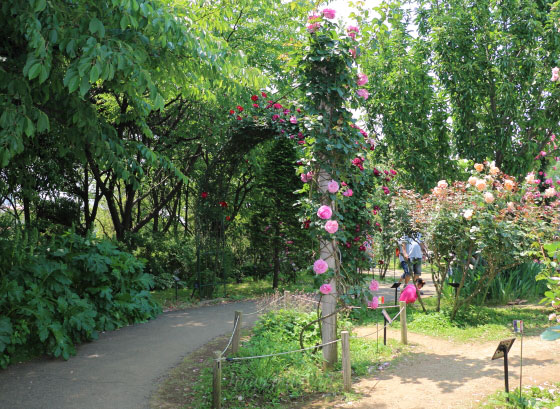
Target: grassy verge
{"x":546,"y":395}
{"x":476,"y":323}
{"x":272,"y":382}
{"x":233,"y":292}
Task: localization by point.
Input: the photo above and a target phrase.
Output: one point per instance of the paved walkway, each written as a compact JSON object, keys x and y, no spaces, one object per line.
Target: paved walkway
{"x":122,"y":368}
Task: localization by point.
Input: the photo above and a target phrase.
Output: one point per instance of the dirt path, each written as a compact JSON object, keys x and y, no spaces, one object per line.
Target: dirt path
{"x":443,"y":374}
{"x":122,"y":368}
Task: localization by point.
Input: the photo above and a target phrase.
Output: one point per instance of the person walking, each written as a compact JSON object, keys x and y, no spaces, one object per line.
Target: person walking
{"x":413,"y":252}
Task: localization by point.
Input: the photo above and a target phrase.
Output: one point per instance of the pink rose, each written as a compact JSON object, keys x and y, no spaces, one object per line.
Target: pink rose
{"x":331,"y":226}
{"x":373,"y":304}
{"x":352,"y":31}
{"x":313,"y":17}
{"x":374,"y":285}
{"x":320,"y":266}
{"x":304,"y":178}
{"x":329,"y":13}
{"x":313,"y":27}
{"x":348,"y":193}
{"x":325,"y":289}
{"x":324,"y":212}
{"x":332,"y":186}
{"x":353,"y":53}
{"x":488,"y":197}
{"x":362,"y":79}
{"x":363,"y":93}
{"x":293,"y":119}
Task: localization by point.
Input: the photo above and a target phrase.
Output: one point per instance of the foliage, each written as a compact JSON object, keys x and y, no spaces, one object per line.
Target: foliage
{"x":270,"y":382}
{"x":64,"y":290}
{"x":546,"y":395}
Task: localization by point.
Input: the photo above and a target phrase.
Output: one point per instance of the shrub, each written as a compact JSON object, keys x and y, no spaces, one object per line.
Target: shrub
{"x":63,"y":292}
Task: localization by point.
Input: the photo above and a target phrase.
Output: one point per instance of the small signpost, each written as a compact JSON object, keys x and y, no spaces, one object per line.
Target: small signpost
{"x":518,"y":327}
{"x":386,"y":320}
{"x":502,"y":352}
{"x":396,"y":285}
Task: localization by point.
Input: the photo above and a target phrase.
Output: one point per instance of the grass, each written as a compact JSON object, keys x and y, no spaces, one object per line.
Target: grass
{"x":546,"y":395}
{"x":248,"y":289}
{"x":478,"y":323}
{"x":272,"y":382}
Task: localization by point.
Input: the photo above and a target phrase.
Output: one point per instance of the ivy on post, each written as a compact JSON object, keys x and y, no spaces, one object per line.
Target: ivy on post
{"x":334,"y":169}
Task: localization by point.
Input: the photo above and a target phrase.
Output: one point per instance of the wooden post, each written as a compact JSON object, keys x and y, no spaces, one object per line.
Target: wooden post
{"x":404,"y":339}
{"x":346,"y":367}
{"x":287,"y":299}
{"x":217,"y":382}
{"x":236,"y":332}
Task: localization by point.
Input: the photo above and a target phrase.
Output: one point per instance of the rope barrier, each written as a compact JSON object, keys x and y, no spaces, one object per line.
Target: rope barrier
{"x":232,"y":333}
{"x":265,"y":307}
{"x":242,"y":358}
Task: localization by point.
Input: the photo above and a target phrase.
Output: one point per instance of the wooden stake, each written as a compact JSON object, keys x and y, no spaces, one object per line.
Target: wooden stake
{"x":217,"y":382}
{"x":346,"y":367}
{"x":236,"y":332}
{"x":404,"y":339}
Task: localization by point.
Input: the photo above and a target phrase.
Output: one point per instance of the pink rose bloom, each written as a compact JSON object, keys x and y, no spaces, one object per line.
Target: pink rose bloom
{"x":352,"y":31}
{"x":329,"y":13}
{"x":324,"y":212}
{"x":373,"y":304}
{"x":313,"y":27}
{"x":489,"y":197}
{"x":293,"y":119}
{"x":275,"y":117}
{"x":313,"y":17}
{"x":353,"y":53}
{"x":348,"y":193}
{"x":332,"y":186}
{"x":331,"y":226}
{"x":320,"y":266}
{"x":304,"y":178}
{"x":386,"y":190}
{"x":343,"y":183}
{"x":374,"y":285}
{"x":554,"y":74}
{"x":409,"y":295}
{"x":325,"y":289}
{"x":362,"y":79}
{"x":363,"y":93}
{"x":548,"y":181}
{"x":543,"y":154}
{"x":277,"y":106}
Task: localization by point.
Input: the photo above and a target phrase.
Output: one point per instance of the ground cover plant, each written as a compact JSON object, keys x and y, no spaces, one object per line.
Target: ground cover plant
{"x":542,"y":396}
{"x":285,"y":379}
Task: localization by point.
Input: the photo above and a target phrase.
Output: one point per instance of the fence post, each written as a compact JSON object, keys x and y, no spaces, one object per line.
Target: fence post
{"x":287,"y":299}
{"x":404,"y":339}
{"x":236,"y":332}
{"x":346,"y":367}
{"x":217,"y":382}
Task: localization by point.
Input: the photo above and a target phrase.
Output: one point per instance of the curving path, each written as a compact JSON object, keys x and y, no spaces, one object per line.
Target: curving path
{"x":122,"y":368}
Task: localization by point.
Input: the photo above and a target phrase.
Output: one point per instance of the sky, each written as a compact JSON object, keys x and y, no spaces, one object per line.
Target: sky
{"x":344,"y":9}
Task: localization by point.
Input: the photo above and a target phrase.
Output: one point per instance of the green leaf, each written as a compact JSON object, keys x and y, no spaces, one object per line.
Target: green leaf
{"x":40,"y":5}
{"x":43,"y":122}
{"x":35,"y":70}
{"x":94,"y":74}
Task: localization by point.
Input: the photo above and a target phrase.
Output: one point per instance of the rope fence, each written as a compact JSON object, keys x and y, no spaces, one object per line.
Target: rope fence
{"x":219,"y":357}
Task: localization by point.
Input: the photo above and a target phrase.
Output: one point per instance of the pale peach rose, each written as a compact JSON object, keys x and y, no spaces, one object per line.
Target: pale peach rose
{"x":481,"y":184}
{"x":530,"y":178}
{"x":442,"y":184}
{"x":489,"y":179}
{"x":473,"y":180}
{"x":488,"y":197}
{"x":438,"y":191}
{"x":494,"y":170}
{"x":509,"y":184}
{"x":549,"y":192}
{"x":467,"y":214}
{"x":511,"y":206}
{"x":479,"y":167}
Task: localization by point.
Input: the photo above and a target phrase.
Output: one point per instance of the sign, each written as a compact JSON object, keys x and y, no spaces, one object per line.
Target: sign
{"x":518,"y":326}
{"x":503,"y":347}
{"x":384,"y":312}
